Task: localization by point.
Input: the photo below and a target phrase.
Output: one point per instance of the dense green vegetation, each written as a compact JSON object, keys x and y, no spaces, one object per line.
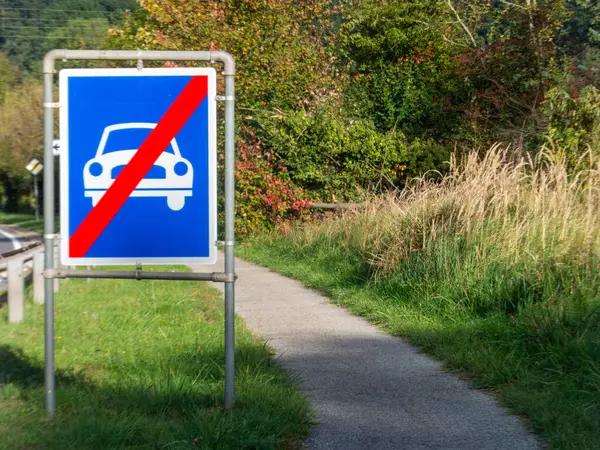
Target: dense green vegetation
{"x":29,"y":28}
{"x":338,"y":100}
{"x":140,"y":365}
{"x":494,"y":270}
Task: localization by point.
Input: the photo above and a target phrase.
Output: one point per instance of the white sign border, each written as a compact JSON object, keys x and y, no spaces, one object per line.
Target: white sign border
{"x":64,"y":77}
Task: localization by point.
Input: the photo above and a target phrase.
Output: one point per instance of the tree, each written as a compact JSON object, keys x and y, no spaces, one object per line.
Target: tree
{"x":10,"y":76}
{"x":283,"y":63}
{"x":278,"y":44}
{"x":29,"y":28}
{"x":398,"y":54}
{"x":582,"y":30}
{"x":21,"y":128}
{"x":81,"y":34}
{"x":455,"y":68}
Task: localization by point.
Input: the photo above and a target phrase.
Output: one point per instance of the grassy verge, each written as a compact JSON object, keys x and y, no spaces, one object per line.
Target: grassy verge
{"x":23,"y":220}
{"x":495,"y":271}
{"x":140,"y":365}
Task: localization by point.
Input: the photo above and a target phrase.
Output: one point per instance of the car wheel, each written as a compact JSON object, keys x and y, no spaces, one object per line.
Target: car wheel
{"x":176,"y":202}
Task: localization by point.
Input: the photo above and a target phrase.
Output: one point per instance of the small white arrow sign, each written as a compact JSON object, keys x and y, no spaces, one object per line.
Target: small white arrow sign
{"x":56,"y":147}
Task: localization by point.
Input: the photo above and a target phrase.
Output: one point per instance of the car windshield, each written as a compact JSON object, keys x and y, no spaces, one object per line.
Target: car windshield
{"x":128,"y":139}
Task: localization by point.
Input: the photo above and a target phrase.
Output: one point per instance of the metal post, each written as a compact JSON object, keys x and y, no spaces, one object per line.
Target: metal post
{"x":229,"y":236}
{"x":16,"y":290}
{"x":37,"y":198}
{"x":49,"y":241}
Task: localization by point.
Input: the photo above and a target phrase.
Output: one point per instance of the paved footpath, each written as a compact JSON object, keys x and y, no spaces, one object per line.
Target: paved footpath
{"x":369,"y":390}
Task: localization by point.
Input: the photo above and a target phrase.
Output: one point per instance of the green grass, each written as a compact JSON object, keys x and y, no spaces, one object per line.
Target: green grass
{"x":540,"y":354}
{"x":141,"y":365}
{"x":23,"y":220}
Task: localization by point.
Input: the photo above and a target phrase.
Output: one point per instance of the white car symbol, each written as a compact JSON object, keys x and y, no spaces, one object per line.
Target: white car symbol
{"x":171,"y":176}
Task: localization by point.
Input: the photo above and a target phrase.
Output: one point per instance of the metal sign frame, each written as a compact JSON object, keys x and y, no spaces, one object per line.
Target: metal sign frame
{"x":50,"y":273}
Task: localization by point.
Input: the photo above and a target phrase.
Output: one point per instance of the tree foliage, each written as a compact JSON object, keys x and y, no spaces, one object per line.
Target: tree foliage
{"x":266,"y":198}
{"x":574,"y":123}
{"x":335,"y":158}
{"x":455,"y":69}
{"x":81,"y":34}
{"x":21,"y":127}
{"x":338,"y":99}
{"x":282,"y":61}
{"x":510,"y":65}
{"x":10,"y":77}
{"x":581,"y":32}
{"x":29,"y":28}
{"x":401,"y":68}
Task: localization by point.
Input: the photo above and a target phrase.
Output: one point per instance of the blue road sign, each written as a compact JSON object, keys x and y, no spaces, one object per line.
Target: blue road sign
{"x":138,"y":166}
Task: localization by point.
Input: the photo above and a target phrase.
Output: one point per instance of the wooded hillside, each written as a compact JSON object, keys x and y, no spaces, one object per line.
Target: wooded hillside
{"x":28,"y":29}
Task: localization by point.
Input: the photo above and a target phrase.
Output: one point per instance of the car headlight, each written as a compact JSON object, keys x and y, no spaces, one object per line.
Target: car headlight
{"x":95,"y":169}
{"x":180,"y":168}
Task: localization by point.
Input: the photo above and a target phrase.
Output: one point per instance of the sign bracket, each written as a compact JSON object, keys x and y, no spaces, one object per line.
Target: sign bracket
{"x":139,"y":274}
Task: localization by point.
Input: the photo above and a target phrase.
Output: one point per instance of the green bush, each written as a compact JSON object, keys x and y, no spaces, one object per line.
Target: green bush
{"x":335,"y":158}
{"x":574,"y":122}
{"x":402,"y":70}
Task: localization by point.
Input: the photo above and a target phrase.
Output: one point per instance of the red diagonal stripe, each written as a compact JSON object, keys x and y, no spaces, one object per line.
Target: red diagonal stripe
{"x":159,"y":138}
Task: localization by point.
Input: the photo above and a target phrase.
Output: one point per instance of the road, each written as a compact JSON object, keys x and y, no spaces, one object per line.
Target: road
{"x":8,"y":241}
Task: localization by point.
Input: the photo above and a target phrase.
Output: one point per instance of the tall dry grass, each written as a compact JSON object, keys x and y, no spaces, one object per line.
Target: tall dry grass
{"x":508,"y":206}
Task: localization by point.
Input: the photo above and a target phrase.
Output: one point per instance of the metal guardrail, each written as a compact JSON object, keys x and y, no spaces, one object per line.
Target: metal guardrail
{"x":16,"y":268}
{"x":26,"y":253}
{"x":321,"y":205}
